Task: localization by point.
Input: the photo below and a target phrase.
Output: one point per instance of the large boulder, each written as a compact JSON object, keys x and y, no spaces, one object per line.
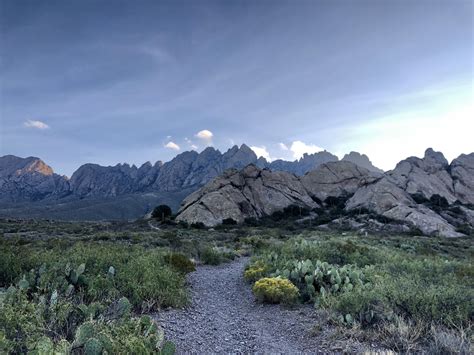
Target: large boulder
{"x":251,"y":192}
{"x":426,"y":177}
{"x":341,"y":178}
{"x":385,"y":198}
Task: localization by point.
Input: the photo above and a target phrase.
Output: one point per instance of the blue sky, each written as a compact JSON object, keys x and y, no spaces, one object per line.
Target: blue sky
{"x":131,"y":81}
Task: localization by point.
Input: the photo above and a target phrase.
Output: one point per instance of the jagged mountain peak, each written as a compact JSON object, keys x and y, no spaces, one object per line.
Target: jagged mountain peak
{"x":11,"y":164}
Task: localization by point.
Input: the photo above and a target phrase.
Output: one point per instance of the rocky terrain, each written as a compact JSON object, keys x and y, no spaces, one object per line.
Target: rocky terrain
{"x":427,"y":193}
{"x":27,"y":185}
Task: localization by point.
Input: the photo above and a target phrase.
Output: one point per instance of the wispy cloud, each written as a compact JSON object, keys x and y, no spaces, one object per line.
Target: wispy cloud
{"x":35,"y":124}
{"x":283,"y":146}
{"x":172,"y":145}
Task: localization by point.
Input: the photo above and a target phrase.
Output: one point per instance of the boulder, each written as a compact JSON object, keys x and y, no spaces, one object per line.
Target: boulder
{"x":336,"y":179}
{"x":251,"y":192}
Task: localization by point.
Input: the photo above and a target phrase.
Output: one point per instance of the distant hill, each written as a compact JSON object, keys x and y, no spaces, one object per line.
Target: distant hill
{"x":29,"y":187}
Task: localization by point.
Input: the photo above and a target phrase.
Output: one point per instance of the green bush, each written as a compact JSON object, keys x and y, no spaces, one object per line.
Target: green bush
{"x":229,"y":222}
{"x":275,"y":290}
{"x":211,"y":256}
{"x":255,"y":271}
{"x":180,"y":262}
{"x":162,"y":212}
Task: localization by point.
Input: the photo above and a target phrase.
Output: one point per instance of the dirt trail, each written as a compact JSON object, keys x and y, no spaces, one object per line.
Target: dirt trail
{"x":224,"y":318}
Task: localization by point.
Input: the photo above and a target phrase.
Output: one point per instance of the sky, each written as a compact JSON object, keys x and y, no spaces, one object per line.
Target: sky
{"x":111,"y":81}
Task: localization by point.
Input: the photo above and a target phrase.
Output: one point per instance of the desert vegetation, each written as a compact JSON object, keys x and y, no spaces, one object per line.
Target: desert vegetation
{"x":408,"y":293}
{"x":92,"y":287}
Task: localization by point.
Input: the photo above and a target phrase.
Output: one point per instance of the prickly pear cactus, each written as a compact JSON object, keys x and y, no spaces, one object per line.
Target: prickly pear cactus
{"x":23,"y":284}
{"x":84,"y":333}
{"x":44,"y":346}
{"x":93,"y":347}
{"x":124,"y":307}
{"x":63,"y":347}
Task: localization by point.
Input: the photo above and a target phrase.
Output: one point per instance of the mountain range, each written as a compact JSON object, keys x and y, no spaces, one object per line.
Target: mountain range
{"x":29,"y":187}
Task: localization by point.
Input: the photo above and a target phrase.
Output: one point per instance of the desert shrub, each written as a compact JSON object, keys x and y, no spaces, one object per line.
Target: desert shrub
{"x":149,"y":284}
{"x":211,"y":256}
{"x":343,"y":252}
{"x":255,"y":271}
{"x":402,"y":335}
{"x":180,"y":262}
{"x":337,"y":203}
{"x":198,"y":225}
{"x":229,"y":222}
{"x":275,"y":290}
{"x":445,"y":341}
{"x":161,"y":212}
{"x":364,"y":305}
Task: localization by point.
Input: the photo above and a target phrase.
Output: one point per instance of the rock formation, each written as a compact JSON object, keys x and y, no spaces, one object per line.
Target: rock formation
{"x":401,"y":192}
{"x":428,"y":193}
{"x":361,"y":160}
{"x":250,"y":192}
{"x":337,"y":179}
{"x":255,"y":192}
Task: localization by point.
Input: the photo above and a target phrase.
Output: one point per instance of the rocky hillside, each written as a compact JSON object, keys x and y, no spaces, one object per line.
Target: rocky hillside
{"x":428,"y":193}
{"x":29,"y":179}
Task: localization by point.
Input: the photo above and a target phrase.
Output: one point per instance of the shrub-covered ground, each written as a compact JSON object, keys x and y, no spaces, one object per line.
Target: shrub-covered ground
{"x":410,"y":293}
{"x":74,"y":287}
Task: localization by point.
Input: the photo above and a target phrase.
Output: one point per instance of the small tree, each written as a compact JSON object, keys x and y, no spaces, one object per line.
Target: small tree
{"x":162,"y":212}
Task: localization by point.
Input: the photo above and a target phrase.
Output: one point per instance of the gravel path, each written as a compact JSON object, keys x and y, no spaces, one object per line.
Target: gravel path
{"x":224,"y":318}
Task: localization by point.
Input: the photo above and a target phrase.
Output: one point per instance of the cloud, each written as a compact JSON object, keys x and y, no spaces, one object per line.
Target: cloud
{"x":205,"y":135}
{"x":283,"y":146}
{"x":172,"y":145}
{"x":194,"y":146}
{"x":261,"y":152}
{"x":299,"y":148}
{"x":36,"y":124}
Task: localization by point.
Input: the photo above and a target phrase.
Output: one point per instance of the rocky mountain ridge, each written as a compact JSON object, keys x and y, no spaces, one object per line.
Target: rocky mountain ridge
{"x":30,"y":179}
{"x":428,"y":193}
